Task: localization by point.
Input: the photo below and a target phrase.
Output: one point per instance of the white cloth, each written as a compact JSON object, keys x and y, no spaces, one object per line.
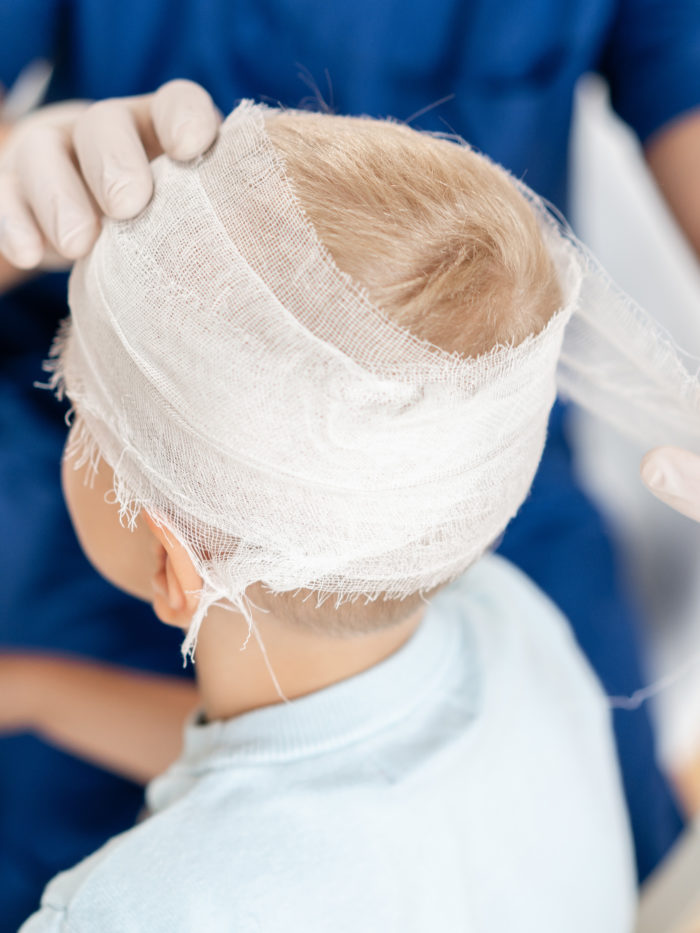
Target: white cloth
{"x":214,"y":347}
{"x":468,"y":783}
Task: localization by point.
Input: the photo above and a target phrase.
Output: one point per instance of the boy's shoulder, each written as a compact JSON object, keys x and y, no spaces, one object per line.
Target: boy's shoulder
{"x":265,"y":867}
{"x":521,"y":634}
{"x":500,"y":588}
{"x":253,"y":847}
{"x":504,"y":604}
{"x":164,"y":874}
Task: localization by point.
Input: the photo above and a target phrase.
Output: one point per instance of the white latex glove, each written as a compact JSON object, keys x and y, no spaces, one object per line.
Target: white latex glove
{"x":65,"y":165}
{"x":673,"y":475}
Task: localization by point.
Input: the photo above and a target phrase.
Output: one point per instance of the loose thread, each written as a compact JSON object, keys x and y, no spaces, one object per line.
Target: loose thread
{"x":636,"y":699}
{"x":243,"y":603}
{"x":268,"y":665}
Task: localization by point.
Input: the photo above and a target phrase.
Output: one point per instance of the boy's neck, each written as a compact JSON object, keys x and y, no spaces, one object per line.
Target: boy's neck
{"x":233,"y":681}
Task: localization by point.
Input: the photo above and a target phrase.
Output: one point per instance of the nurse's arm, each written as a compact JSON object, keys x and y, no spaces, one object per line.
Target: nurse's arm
{"x":673,"y":155}
{"x":127,"y":721}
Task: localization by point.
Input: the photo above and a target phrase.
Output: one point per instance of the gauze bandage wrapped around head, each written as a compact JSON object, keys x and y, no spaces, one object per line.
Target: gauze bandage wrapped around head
{"x":249,"y":395}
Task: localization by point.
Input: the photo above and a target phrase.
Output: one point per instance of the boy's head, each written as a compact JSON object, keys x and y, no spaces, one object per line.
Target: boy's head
{"x":310,"y":418}
{"x":439,"y":236}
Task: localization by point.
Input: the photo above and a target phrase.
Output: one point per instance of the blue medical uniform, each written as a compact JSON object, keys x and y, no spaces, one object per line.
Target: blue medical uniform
{"x":498,"y":72}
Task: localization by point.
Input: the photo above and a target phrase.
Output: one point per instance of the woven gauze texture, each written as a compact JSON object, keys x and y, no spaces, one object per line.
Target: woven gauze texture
{"x":249,"y":395}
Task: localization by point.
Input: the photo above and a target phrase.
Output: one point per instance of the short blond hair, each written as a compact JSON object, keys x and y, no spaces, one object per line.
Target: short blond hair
{"x":443,"y":242}
{"x":439,"y":236}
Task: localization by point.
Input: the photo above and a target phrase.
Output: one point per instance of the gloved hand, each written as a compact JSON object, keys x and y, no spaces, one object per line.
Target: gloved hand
{"x":673,"y":475}
{"x":65,"y":165}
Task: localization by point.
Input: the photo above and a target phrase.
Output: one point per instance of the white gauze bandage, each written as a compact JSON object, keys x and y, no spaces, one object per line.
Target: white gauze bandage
{"x":250,"y":397}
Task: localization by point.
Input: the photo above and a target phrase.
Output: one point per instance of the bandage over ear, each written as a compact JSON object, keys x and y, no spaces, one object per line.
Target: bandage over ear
{"x":250,"y":396}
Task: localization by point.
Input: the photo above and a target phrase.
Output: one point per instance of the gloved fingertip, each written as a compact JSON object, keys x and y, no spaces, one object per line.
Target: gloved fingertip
{"x":25,"y":255}
{"x":22,"y":247}
{"x":127,"y":197}
{"x":672,"y":475}
{"x":193,"y":136}
{"x":652,"y":473}
{"x":77,"y":243}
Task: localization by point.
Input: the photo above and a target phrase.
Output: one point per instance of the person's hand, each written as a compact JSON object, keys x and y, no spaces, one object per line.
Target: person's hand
{"x":65,"y":165}
{"x":673,"y":475}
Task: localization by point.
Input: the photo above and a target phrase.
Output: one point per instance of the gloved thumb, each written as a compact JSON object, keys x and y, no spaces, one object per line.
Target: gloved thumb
{"x":673,"y":476}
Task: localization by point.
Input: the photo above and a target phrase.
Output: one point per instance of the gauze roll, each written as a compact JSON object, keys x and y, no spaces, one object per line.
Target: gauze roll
{"x":249,"y":395}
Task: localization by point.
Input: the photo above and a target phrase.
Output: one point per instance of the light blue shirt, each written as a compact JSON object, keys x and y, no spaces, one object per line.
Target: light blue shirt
{"x":467,"y":783}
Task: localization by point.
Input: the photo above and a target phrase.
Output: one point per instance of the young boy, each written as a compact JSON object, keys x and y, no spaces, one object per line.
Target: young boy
{"x":314,"y":376}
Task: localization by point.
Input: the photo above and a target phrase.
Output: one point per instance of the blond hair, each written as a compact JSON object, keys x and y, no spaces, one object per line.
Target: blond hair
{"x":443,"y":242}
{"x":439,"y":236}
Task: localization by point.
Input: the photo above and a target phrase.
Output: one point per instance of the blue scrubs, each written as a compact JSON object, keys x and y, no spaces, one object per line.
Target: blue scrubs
{"x":498,"y":72}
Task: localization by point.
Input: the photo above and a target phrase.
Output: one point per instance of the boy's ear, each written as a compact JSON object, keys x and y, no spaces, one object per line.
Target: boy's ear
{"x":176,"y":583}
